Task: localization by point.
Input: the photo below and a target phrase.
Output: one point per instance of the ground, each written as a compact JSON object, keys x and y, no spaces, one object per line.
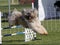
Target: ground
{"x":53,"y":38}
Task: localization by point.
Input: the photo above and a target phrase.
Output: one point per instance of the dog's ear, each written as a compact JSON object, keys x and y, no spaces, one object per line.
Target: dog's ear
{"x":16,"y":13}
{"x":35,"y":11}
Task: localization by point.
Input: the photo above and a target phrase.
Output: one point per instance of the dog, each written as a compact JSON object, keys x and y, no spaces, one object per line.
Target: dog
{"x":33,"y":21}
{"x":28,"y":18}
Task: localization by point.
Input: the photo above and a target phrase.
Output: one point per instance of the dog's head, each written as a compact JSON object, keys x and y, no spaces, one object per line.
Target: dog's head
{"x":30,"y":13}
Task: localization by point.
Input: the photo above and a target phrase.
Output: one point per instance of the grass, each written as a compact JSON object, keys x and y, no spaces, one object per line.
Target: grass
{"x":53,"y":38}
{"x":19,"y":7}
{"x":4,"y":6}
{"x":5,"y":2}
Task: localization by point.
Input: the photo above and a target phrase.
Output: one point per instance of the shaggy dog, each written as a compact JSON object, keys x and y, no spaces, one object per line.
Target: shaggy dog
{"x":28,"y":18}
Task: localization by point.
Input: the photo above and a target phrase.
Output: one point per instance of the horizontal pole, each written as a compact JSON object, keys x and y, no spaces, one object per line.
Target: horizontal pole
{"x":19,"y":26}
{"x":7,"y":35}
{"x":13,"y":34}
{"x":4,"y":20}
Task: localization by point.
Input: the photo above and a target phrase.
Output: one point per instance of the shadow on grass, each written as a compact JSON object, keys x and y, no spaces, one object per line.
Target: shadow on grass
{"x":18,"y":40}
{"x":36,"y":39}
{"x":13,"y":41}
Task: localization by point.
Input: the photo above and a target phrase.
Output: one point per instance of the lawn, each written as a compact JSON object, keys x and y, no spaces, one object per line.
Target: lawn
{"x":53,"y":38}
{"x":5,"y":2}
{"x":19,"y":7}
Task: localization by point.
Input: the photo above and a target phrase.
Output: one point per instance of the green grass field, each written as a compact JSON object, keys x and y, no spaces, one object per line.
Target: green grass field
{"x":53,"y":38}
{"x":4,"y":6}
{"x":5,"y":2}
{"x":19,"y":7}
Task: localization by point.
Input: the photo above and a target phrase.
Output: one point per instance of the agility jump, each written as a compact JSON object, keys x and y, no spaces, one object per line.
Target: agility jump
{"x":29,"y":34}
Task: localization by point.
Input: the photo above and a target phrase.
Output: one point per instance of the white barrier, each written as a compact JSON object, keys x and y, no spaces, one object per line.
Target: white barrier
{"x":29,"y":34}
{"x":0,"y":30}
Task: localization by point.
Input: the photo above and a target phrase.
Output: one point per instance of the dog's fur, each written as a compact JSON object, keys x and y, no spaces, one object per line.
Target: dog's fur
{"x":29,"y":19}
{"x":17,"y":18}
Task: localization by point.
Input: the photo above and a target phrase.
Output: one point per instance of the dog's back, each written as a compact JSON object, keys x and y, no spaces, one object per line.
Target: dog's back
{"x":17,"y":19}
